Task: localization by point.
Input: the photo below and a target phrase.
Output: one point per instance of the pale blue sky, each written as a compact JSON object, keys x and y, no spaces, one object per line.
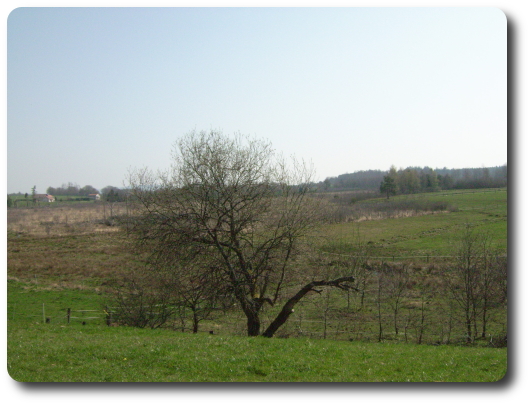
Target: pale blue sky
{"x":92,"y":92}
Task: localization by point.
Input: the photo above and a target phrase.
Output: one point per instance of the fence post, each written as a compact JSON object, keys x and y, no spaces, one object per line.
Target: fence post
{"x":127,"y":212}
{"x":43,"y":314}
{"x":109,"y":316}
{"x":68,"y":315}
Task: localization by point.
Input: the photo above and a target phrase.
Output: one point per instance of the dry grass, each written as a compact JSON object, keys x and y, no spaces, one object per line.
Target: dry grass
{"x":73,"y":261}
{"x":67,"y":246}
{"x":61,"y":220}
{"x":374,"y":216}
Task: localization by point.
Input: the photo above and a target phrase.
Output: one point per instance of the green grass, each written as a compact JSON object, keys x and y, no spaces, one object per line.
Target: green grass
{"x":45,"y":353}
{"x":59,"y":351}
{"x":431,"y":234}
{"x":25,"y":302}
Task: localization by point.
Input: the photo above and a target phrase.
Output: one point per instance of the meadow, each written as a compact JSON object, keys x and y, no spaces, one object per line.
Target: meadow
{"x":92,"y":352}
{"x":67,"y":257}
{"x":415,"y":234}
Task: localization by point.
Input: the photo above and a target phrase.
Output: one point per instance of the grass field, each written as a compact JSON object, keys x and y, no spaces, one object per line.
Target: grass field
{"x":430,"y":234}
{"x":98,"y":354}
{"x":61,"y":351}
{"x":66,"y":259}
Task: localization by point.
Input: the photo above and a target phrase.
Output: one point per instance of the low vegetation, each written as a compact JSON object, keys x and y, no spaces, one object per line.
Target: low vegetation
{"x":76,"y":268}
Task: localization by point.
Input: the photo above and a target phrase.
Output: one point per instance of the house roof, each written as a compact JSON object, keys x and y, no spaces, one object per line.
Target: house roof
{"x":48,"y":196}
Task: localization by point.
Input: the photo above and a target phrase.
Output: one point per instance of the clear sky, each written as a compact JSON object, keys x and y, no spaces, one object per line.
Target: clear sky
{"x":93,"y":92}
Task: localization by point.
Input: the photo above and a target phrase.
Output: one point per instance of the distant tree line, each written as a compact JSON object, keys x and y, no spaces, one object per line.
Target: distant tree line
{"x":113,"y":194}
{"x":72,"y":189}
{"x":109,"y":193}
{"x":416,"y":180}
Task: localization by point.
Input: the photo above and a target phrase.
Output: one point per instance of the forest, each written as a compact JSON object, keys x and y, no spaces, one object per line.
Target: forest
{"x":417,"y":180}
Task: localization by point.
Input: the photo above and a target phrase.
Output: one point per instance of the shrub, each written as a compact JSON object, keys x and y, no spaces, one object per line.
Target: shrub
{"x":142,"y":302}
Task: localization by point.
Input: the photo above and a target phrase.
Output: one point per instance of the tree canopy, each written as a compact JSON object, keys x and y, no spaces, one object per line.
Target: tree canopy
{"x":238,"y":203}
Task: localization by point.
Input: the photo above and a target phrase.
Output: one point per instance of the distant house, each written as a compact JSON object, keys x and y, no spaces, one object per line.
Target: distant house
{"x":94,"y":196}
{"x":44,"y":198}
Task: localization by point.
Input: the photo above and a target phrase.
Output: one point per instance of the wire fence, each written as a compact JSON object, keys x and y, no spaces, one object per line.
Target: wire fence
{"x":394,"y":257}
{"x":65,"y":315}
{"x":325,"y":323}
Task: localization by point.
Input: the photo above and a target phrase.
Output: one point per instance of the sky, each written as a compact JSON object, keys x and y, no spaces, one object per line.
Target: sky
{"x":95,"y":92}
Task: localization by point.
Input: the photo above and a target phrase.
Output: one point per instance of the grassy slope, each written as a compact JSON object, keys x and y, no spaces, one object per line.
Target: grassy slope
{"x":433,"y":234}
{"x":146,"y":356}
{"x":49,"y":352}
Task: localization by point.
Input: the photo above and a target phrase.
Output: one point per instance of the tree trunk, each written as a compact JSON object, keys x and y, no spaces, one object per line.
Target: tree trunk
{"x":195,"y":322}
{"x":253,"y":324}
{"x":251,"y":310}
{"x":287,"y":309}
{"x":468,"y":336}
{"x":379,"y":315}
{"x":484,"y":319}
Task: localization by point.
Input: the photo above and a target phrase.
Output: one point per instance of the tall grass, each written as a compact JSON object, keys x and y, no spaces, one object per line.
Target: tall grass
{"x":71,"y":219}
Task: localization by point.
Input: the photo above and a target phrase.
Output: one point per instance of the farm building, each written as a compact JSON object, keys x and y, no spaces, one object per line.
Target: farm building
{"x":44,"y":197}
{"x":94,"y":196}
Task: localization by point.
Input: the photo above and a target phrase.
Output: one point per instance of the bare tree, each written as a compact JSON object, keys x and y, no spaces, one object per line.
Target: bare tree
{"x":142,"y":301}
{"x":464,"y":280}
{"x":380,"y":282}
{"x":360,"y":269}
{"x":492,"y":279}
{"x":236,"y":202}
{"x":397,"y":284}
{"x":198,"y":289}
{"x":487,"y":279}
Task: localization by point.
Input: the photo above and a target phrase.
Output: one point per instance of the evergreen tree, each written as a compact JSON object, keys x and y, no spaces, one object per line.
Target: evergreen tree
{"x":388,"y":186}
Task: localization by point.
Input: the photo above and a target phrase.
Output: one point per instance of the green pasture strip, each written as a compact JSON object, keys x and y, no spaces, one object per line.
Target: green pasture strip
{"x":59,"y":353}
{"x":485,"y":201}
{"x":30,"y":303}
{"x":430,"y":234}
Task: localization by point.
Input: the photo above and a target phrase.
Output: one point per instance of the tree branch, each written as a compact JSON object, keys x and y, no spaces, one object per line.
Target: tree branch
{"x":341,"y":283}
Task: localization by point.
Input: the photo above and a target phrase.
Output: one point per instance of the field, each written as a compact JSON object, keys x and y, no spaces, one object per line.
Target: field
{"x":430,"y":234}
{"x":66,"y":257}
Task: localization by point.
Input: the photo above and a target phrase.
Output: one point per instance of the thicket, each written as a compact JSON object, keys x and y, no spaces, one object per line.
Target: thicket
{"x":71,"y":190}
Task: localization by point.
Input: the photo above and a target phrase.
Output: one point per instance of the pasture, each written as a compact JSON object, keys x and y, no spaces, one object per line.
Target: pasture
{"x":93,"y":352}
{"x":409,"y":234}
{"x":68,"y":257}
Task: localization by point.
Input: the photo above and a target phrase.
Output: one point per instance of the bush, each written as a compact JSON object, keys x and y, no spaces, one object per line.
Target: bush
{"x":142,"y":301}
